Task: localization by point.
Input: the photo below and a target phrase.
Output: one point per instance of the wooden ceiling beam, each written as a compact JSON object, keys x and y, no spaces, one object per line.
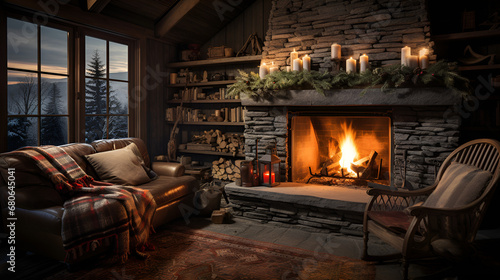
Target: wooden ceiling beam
{"x":75,"y":14}
{"x":169,"y":20}
{"x":96,"y":6}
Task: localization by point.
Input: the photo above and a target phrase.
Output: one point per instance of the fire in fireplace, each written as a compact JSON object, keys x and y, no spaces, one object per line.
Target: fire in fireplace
{"x":326,"y":149}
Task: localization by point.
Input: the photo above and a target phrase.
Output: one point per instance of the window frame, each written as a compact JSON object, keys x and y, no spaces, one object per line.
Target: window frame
{"x":83,"y":33}
{"x":76,"y":74}
{"x":38,"y":73}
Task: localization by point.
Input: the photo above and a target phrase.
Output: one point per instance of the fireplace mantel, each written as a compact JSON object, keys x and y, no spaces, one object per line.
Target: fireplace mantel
{"x":355,"y":97}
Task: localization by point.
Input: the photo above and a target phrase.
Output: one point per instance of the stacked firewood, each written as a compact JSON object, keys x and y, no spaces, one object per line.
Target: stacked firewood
{"x":221,"y":142}
{"x":226,"y":170}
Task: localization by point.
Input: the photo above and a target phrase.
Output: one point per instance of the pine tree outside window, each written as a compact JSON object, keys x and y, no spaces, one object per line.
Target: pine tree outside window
{"x":106,"y":89}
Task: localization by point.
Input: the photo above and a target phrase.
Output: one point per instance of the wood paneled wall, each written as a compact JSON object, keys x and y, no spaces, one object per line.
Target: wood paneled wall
{"x":158,"y":133}
{"x":254,"y":19}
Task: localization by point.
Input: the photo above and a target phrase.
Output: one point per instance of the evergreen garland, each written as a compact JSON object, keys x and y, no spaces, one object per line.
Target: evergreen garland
{"x":390,"y":77}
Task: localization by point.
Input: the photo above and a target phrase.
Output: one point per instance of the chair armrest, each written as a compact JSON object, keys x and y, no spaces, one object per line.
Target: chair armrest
{"x":395,"y":200}
{"x":172,"y":169}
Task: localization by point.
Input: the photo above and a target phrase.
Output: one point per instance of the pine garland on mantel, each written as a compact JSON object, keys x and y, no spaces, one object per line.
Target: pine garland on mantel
{"x":439,"y":74}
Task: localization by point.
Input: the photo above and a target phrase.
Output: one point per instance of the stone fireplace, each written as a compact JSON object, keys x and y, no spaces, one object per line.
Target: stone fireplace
{"x":411,"y":130}
{"x":410,"y":126}
{"x":399,"y":137}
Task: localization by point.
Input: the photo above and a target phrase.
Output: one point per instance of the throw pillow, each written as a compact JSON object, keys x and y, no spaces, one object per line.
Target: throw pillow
{"x":152,"y":175}
{"x":122,"y":166}
{"x":459,"y":185}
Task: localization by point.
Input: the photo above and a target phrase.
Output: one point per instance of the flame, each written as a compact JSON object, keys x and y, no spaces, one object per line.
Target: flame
{"x":349,"y":152}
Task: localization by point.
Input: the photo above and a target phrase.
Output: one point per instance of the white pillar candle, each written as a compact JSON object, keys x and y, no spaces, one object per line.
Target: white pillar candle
{"x":294,"y":55}
{"x":263,"y":70}
{"x":288,"y":68}
{"x":412,"y":61}
{"x":296,"y":64}
{"x":405,"y":53}
{"x":424,"y":58}
{"x":424,"y":62}
{"x":363,"y":63}
{"x":335,"y":50}
{"x":350,"y":65}
{"x":306,"y":61}
{"x":273,"y":68}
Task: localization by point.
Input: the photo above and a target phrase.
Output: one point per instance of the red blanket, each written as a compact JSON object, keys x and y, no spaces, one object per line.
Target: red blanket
{"x":96,"y":213}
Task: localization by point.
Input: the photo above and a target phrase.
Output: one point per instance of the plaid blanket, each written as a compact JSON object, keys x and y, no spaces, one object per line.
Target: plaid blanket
{"x":62,"y":170}
{"x":103,"y":214}
{"x":97,"y":213}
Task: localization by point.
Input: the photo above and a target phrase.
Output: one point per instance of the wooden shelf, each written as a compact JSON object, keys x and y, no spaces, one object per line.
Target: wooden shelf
{"x":216,"y":61}
{"x":186,"y":151}
{"x":205,"y":101}
{"x":211,"y":123}
{"x":205,"y":84}
{"x":479,"y":67}
{"x":466,"y":35}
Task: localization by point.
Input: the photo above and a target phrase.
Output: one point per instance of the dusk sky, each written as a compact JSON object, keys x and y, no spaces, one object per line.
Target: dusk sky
{"x":22,"y":51}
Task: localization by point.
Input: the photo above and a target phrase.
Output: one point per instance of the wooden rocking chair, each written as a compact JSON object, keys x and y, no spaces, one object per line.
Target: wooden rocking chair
{"x":451,"y":209}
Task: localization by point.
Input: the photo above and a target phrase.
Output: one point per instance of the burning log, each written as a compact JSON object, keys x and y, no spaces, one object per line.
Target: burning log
{"x":369,"y":167}
{"x":332,"y":165}
{"x":362,"y":167}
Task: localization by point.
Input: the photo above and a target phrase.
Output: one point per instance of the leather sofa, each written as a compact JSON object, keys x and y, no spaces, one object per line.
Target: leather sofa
{"x":39,"y":207}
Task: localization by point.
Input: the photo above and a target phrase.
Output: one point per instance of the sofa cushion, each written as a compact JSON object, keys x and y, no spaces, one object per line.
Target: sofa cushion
{"x":43,"y":220}
{"x":166,"y":189}
{"x":113,"y":144}
{"x":459,"y":185}
{"x":121,"y":166}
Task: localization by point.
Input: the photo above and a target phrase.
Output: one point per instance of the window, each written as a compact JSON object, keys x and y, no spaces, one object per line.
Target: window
{"x":37,"y":84}
{"x":106,"y":89}
{"x":58,"y":92}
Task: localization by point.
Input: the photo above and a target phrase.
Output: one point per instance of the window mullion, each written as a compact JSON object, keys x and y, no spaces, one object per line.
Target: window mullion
{"x":39,"y":83}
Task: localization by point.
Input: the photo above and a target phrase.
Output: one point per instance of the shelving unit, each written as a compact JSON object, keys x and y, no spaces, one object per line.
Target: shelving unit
{"x":205,"y":84}
{"x":187,"y":151}
{"x":210,"y":123}
{"x":208,"y":105}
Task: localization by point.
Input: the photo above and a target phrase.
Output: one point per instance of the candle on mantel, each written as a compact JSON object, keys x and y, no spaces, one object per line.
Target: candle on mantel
{"x":350,"y":65}
{"x":336,"y":50}
{"x":294,"y":55}
{"x":266,"y":177}
{"x":273,"y":68}
{"x":363,"y":63}
{"x":412,"y":61}
{"x":263,"y":70}
{"x":296,"y":64}
{"x":424,"y":58}
{"x":306,"y":61}
{"x":288,"y":68}
{"x":405,"y":53}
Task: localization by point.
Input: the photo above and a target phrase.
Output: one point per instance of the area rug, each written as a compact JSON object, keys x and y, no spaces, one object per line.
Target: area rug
{"x":187,"y":254}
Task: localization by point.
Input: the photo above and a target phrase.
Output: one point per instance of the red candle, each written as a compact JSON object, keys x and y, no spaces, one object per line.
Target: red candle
{"x":266,"y":177}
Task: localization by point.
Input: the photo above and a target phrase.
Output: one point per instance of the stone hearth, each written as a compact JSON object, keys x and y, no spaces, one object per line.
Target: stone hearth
{"x":316,"y":208}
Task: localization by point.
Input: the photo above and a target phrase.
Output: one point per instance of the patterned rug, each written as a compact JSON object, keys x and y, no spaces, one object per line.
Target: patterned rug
{"x":187,"y":254}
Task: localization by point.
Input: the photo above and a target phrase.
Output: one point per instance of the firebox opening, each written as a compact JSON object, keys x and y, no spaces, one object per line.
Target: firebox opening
{"x":337,"y":149}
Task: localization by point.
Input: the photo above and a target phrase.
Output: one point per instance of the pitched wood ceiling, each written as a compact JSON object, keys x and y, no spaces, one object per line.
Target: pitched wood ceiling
{"x":178,"y":21}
